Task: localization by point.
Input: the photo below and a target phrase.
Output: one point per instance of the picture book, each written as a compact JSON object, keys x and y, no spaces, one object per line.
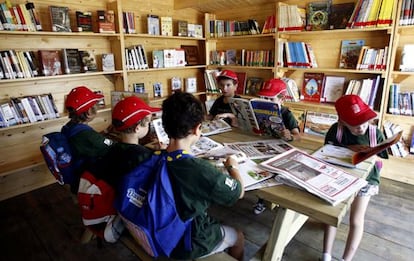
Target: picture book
{"x":350,"y":50}
{"x":253,"y":85}
{"x":318,"y":123}
{"x":258,"y":116}
{"x":71,"y":61}
{"x":106,"y":21}
{"x":88,"y":61}
{"x":352,"y":155}
{"x":153,"y":22}
{"x":214,"y":127}
{"x":333,"y":88}
{"x":83,"y":21}
{"x":312,"y":87}
{"x":60,"y":19}
{"x":328,"y":182}
{"x":50,"y":62}
{"x":317,"y":14}
{"x":339,"y":15}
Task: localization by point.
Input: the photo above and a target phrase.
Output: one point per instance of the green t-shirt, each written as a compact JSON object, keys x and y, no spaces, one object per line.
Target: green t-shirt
{"x":349,"y":139}
{"x":197,"y":184}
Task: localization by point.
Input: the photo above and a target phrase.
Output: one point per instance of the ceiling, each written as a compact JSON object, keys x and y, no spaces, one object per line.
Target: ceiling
{"x":210,"y":6}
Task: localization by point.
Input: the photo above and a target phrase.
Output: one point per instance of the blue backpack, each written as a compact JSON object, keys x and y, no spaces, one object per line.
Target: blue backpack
{"x":146,"y":203}
{"x":57,"y":153}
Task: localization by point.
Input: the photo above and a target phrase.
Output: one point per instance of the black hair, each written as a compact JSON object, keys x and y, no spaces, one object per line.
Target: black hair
{"x":181,"y":112}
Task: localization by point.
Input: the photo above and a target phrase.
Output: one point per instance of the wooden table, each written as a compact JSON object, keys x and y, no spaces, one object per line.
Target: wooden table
{"x":295,"y":206}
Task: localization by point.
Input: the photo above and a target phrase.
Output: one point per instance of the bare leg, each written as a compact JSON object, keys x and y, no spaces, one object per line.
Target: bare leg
{"x":356,"y":226}
{"x":237,"y":251}
{"x":328,"y":239}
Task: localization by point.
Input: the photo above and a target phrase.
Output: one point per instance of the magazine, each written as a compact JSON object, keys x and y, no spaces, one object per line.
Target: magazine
{"x":214,"y":127}
{"x":328,"y":182}
{"x":258,"y":116}
{"x":354,"y":154}
{"x":261,"y":149}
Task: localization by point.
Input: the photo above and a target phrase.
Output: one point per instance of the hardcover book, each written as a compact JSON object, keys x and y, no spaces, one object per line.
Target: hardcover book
{"x":318,"y":13}
{"x":182,"y":28}
{"x":88,"y":61}
{"x":84,"y":21}
{"x":50,"y":62}
{"x":72,"y":62}
{"x":106,"y":21}
{"x":191,"y":54}
{"x":350,"y":50}
{"x":312,"y":87}
{"x":153,"y":22}
{"x":340,"y":14}
{"x":60,"y":18}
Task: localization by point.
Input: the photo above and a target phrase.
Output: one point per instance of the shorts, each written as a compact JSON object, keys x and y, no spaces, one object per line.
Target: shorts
{"x":229,"y":240}
{"x":368,"y":190}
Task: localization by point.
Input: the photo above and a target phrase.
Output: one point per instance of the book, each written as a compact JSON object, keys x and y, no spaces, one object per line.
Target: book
{"x":88,"y":60}
{"x":166,"y":25}
{"x":317,"y":14}
{"x":192,"y":56}
{"x":231,"y":57}
{"x":260,"y":149}
{"x":176,"y":84}
{"x":339,"y":15}
{"x":354,"y":154}
{"x":116,"y":96}
{"x":333,"y":88}
{"x":157,"y":89}
{"x":182,"y":28}
{"x":153,"y":22}
{"x":72,"y":62}
{"x":106,"y":21}
{"x":191,"y":84}
{"x":108,"y":62}
{"x":60,"y":18}
{"x":84,"y":21}
{"x":258,"y":116}
{"x":158,"y":59}
{"x":198,"y":31}
{"x":318,"y":123}
{"x":253,"y":85}
{"x":312,"y":87}
{"x":50,"y":62}
{"x":242,"y":81}
{"x":350,"y":52}
{"x":323,"y":180}
{"x":407,"y":64}
{"x":214,"y":127}
{"x":139,"y":87}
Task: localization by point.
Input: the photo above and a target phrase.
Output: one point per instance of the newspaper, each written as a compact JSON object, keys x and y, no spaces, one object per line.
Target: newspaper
{"x":260,"y":149}
{"x":326,"y":181}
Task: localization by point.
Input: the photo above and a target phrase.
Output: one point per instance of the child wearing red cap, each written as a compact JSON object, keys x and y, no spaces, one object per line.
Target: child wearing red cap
{"x":276,"y":90}
{"x":197,"y":184}
{"x":227,"y":82}
{"x":131,"y":117}
{"x":88,"y":144}
{"x":353,"y":128}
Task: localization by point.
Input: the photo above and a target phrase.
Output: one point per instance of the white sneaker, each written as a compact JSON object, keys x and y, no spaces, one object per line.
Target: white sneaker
{"x":114,"y":229}
{"x":259,"y":208}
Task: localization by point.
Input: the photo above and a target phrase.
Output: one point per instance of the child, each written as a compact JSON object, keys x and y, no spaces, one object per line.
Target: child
{"x":131,"y":117}
{"x":88,"y":145}
{"x":227,"y":82}
{"x":197,"y":184}
{"x":353,"y":128}
{"x":275,"y":90}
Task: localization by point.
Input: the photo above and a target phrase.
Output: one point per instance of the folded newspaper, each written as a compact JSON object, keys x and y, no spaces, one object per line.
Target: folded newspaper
{"x":326,"y":181}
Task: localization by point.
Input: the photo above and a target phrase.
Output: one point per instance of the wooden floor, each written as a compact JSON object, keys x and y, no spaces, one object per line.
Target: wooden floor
{"x":45,"y":225}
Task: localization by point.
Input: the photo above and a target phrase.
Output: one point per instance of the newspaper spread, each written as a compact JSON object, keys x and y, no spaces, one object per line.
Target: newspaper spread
{"x":326,"y":181}
{"x":260,"y":149}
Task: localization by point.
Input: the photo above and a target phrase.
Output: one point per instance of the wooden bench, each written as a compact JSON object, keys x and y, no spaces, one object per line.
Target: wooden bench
{"x":128,"y":241}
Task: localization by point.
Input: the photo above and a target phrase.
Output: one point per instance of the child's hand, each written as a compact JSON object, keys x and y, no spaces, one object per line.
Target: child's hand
{"x":286,"y":135}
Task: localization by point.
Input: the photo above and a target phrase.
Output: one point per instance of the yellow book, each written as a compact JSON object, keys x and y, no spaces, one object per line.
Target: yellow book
{"x":385,"y":13}
{"x":373,"y":13}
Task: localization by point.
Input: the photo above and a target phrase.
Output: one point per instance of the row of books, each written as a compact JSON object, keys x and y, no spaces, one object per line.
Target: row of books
{"x":367,"y":89}
{"x":164,"y":26}
{"x":400,"y":103}
{"x":28,"y":109}
{"x":224,"y":28}
{"x":371,"y":13}
{"x":27,"y":64}
{"x":356,"y":55}
{"x":407,"y":63}
{"x":136,"y":58}
{"x":260,"y":58}
{"x":398,"y":149}
{"x":290,"y":17}
{"x":296,"y":55}
{"x":407,"y":13}
{"x":19,"y":17}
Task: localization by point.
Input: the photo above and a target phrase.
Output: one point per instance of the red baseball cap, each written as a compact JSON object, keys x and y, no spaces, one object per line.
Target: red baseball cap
{"x":81,"y":99}
{"x":227,"y":74}
{"x":272,"y":87}
{"x":353,"y":110}
{"x":130,"y":111}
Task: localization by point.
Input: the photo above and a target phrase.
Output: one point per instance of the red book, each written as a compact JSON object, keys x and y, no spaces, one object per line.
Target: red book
{"x":312,"y":87}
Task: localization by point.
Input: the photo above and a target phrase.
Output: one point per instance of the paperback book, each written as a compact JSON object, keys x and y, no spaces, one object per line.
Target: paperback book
{"x":108,"y":62}
{"x":325,"y":181}
{"x":83,"y":21}
{"x":50,"y":62}
{"x":352,"y":155}
{"x":88,"y":61}
{"x":60,"y":18}
{"x":71,"y":61}
{"x":350,"y":50}
{"x":153,"y":22}
{"x":106,"y":21}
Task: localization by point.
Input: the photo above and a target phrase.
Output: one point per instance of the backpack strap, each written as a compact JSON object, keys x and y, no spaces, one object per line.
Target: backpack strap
{"x":372,"y":134}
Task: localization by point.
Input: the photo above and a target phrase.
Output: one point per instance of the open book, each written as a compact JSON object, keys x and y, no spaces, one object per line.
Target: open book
{"x":328,"y":182}
{"x":258,"y":115}
{"x":214,"y":127}
{"x":354,"y":154}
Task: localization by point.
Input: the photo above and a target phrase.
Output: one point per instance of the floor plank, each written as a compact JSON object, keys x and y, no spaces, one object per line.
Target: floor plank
{"x":45,"y":225}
